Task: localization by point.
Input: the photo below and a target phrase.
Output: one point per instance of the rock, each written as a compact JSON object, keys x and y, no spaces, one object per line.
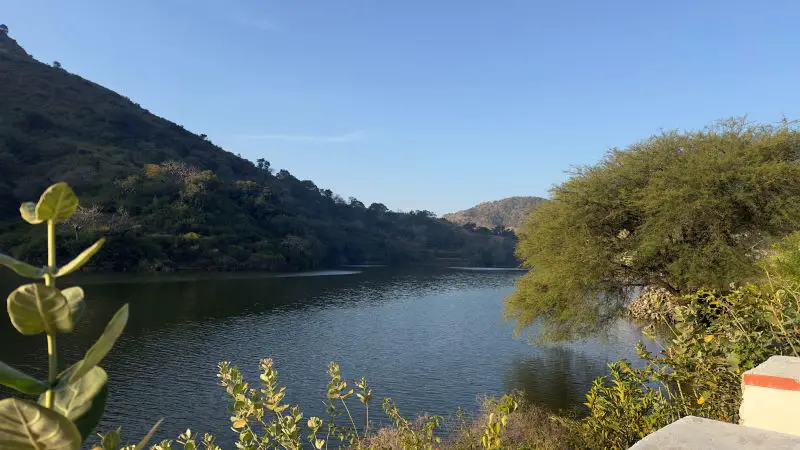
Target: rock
{"x":654,"y":303}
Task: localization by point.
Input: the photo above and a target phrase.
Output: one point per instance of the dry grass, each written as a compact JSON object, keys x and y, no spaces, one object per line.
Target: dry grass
{"x":529,"y":427}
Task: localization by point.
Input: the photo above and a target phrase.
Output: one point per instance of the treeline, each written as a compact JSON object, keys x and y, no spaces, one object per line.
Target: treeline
{"x":173,"y":216}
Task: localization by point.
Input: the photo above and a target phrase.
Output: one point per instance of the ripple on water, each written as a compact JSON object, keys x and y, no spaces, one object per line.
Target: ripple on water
{"x":432,"y":339}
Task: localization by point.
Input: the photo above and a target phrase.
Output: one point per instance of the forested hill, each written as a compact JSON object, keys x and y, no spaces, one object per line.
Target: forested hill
{"x":169,"y":199}
{"x":505,"y":213}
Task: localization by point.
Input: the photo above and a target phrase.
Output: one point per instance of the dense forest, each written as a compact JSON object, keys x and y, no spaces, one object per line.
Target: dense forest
{"x":499,"y":214}
{"x":169,"y":199}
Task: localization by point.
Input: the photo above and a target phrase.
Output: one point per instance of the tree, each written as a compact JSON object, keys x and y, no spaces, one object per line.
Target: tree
{"x":378,"y":207}
{"x":3,"y":28}
{"x":57,"y":64}
{"x":355,"y":203}
{"x":679,"y":210}
{"x":263,"y":165}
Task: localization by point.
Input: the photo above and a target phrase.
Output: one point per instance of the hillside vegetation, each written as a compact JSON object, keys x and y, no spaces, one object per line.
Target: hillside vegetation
{"x":169,"y":199}
{"x":505,"y":213}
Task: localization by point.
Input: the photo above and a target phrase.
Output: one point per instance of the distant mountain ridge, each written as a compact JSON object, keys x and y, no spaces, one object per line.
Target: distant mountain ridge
{"x":507,"y":213}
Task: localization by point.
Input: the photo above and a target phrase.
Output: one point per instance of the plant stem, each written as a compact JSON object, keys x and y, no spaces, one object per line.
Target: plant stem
{"x":355,"y":428}
{"x":50,"y":280}
{"x":51,"y":252}
{"x":366,"y":424}
{"x":53,"y":369}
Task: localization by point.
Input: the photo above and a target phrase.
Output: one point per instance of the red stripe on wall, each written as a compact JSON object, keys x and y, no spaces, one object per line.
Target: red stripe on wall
{"x":771,"y":381}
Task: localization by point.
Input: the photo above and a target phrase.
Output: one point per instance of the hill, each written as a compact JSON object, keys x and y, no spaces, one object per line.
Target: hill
{"x":169,"y":199}
{"x":505,"y":213}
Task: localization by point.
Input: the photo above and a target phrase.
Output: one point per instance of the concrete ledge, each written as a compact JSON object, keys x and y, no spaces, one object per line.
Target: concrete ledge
{"x":697,"y":433}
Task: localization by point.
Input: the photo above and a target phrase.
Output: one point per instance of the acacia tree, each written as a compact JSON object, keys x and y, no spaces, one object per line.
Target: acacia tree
{"x":681,"y":210}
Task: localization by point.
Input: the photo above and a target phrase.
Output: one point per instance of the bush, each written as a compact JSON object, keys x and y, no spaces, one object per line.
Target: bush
{"x":526,"y":427}
{"x":714,"y":339}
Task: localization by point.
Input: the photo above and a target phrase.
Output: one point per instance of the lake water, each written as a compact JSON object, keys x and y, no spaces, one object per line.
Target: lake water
{"x":432,"y":339}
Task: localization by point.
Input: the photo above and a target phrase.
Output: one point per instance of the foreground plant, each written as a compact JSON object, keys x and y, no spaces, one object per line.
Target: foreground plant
{"x":497,"y":421}
{"x":715,"y":338}
{"x":262,"y":420}
{"x":71,"y":402}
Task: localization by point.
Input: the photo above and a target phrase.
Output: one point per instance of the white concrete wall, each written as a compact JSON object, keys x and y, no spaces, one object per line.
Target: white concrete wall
{"x":771,"y":396}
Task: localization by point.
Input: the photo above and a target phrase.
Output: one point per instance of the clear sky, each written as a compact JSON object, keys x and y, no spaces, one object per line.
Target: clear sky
{"x":428,"y":104}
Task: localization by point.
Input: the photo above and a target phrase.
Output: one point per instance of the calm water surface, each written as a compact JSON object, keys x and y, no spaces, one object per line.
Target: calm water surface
{"x":432,"y":339}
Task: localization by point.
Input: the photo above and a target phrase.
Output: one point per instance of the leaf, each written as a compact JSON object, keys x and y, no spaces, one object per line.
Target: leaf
{"x":21,"y":268}
{"x":111,"y":440}
{"x":28,"y":212}
{"x":80,"y":260}
{"x":149,"y":435}
{"x":36,"y":308}
{"x":88,"y":422}
{"x":99,"y":350}
{"x":25,"y":425}
{"x":20,"y":381}
{"x":74,"y":296}
{"x":57,"y":203}
{"x":83,"y":401}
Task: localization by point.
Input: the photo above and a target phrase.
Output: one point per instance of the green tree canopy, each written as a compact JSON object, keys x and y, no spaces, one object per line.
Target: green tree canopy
{"x":681,"y":210}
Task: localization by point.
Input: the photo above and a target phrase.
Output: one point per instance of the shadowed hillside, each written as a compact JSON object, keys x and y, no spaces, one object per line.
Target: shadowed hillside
{"x":169,"y":199}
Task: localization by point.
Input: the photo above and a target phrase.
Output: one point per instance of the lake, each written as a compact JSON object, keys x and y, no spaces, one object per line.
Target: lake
{"x":433,"y":339}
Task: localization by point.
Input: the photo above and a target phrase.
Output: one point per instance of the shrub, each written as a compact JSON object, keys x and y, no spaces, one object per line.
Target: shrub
{"x":526,"y":427}
{"x":714,"y":339}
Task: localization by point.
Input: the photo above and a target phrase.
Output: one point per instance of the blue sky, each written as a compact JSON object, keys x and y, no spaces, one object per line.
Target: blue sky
{"x":428,"y":104}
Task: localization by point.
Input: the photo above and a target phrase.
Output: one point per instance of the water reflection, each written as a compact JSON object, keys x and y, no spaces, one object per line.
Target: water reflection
{"x":559,"y":375}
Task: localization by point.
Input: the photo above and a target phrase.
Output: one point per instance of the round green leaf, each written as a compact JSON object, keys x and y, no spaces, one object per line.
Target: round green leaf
{"x":20,"y":381}
{"x":57,"y":203}
{"x":74,"y":296}
{"x":111,"y":440}
{"x":99,"y":350}
{"x":28,"y":212}
{"x":74,"y":399}
{"x":25,"y":425}
{"x":83,"y":401}
{"x":80,"y":260}
{"x":21,"y":268}
{"x":88,"y":422}
{"x":36,"y":308}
